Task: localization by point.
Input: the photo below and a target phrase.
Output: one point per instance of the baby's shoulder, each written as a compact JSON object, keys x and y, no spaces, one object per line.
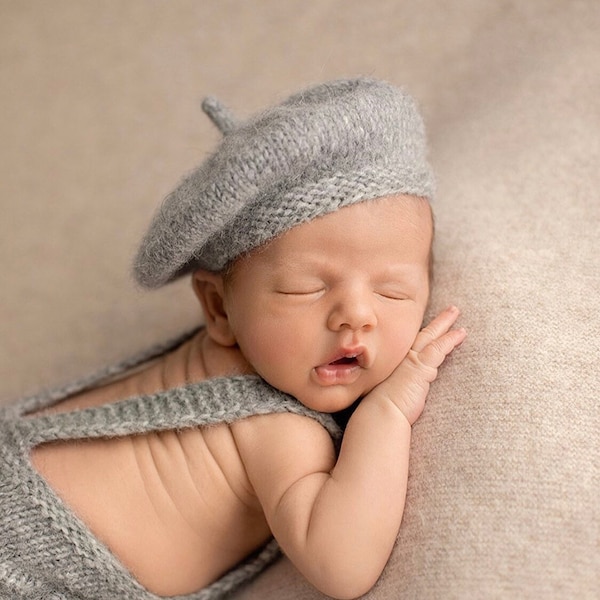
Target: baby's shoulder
{"x":280,"y":448}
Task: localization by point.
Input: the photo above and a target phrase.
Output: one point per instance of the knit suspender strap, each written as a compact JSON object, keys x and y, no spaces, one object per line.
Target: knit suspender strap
{"x":209,"y":402}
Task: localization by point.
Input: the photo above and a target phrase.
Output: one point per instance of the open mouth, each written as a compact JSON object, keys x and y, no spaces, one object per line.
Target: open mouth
{"x":345,"y":360}
{"x":348,"y":358}
{"x":343,"y":370}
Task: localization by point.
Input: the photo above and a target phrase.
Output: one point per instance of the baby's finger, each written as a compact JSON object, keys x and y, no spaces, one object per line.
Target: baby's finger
{"x":438,"y":327}
{"x":434,"y":354}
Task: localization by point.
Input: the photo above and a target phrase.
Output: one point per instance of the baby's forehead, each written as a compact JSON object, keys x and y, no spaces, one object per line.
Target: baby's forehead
{"x":401,"y":216}
{"x":391,"y":231}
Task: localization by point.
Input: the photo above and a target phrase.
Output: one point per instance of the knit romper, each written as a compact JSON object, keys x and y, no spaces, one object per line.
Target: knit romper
{"x":46,"y":551}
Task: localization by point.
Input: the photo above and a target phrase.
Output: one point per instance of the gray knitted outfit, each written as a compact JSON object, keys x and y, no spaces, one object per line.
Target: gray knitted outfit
{"x":46,"y":551}
{"x":322,"y":149}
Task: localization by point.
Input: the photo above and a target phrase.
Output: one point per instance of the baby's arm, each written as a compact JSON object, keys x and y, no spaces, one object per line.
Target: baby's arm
{"x":337,"y":521}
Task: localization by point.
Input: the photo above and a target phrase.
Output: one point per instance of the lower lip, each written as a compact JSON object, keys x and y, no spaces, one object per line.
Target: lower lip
{"x":337,"y":374}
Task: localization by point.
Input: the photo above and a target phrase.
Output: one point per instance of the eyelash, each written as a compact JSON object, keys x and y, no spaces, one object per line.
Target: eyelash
{"x":299,"y":293}
{"x":392,"y":296}
{"x":385,"y":295}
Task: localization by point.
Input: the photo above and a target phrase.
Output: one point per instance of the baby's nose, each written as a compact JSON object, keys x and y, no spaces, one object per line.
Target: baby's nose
{"x":353,"y":311}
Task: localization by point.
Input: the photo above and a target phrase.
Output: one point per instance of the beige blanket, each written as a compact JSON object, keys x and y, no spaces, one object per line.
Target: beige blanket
{"x":99,"y":117}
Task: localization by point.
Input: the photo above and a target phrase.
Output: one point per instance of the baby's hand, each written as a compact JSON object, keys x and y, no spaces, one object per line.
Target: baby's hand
{"x":408,"y":385}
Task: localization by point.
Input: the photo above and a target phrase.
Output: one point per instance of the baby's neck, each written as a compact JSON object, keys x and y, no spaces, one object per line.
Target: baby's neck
{"x":184,"y":365}
{"x":197,"y":359}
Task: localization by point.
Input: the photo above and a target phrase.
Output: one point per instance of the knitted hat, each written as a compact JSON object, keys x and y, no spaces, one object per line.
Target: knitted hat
{"x":324,"y":148}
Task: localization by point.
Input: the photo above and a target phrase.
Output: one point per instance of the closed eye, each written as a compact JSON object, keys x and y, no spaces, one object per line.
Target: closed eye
{"x":393,"y":295}
{"x":299,"y":292}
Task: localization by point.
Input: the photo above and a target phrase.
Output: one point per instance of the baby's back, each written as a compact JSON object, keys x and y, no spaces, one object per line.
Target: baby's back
{"x":175,"y":507}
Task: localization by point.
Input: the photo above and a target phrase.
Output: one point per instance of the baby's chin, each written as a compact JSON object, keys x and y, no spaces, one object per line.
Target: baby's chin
{"x":329,"y":400}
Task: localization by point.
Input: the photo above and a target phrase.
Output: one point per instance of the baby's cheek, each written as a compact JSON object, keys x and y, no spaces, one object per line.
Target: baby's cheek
{"x":264,"y":350}
{"x":399,"y":346}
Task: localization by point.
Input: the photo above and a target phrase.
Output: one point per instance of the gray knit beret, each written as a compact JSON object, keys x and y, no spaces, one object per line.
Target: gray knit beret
{"x":326,"y":147}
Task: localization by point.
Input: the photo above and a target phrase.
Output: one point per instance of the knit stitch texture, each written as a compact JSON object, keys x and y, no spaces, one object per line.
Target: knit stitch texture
{"x":324,"y":148}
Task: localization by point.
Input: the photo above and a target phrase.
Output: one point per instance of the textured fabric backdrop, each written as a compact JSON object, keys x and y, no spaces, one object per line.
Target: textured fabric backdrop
{"x":99,"y":116}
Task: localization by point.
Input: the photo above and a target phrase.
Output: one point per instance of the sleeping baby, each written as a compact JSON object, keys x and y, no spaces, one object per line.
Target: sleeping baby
{"x":185,"y":471}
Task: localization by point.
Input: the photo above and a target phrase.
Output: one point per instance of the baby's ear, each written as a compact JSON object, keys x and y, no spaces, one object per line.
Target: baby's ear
{"x":209,"y":289}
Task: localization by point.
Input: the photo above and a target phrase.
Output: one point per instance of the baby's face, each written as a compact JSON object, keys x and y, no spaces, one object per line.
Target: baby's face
{"x":329,"y":309}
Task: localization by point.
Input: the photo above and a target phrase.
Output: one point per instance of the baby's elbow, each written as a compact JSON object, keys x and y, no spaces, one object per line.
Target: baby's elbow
{"x":348,"y":582}
{"x":349,"y":590}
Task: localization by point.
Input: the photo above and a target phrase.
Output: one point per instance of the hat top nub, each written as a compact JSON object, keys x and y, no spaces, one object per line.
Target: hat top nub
{"x":219,"y":114}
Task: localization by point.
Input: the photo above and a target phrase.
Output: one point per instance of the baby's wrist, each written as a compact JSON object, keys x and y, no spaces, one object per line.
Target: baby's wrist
{"x":393,"y":409}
